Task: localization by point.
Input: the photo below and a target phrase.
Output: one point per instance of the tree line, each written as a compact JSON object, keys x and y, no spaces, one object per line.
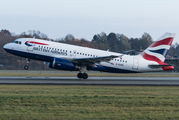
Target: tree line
{"x":114,"y":42}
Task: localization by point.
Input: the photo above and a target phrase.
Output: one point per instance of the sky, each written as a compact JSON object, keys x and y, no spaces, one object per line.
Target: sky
{"x":85,"y":18}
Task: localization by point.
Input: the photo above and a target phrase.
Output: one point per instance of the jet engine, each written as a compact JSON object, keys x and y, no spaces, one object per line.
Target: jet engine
{"x":62,"y":64}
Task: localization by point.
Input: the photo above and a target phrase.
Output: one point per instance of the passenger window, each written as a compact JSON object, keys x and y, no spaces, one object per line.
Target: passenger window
{"x":16,"y":42}
{"x":19,"y":42}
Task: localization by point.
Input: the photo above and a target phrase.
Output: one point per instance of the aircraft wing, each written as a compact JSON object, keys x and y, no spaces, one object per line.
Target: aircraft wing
{"x":93,"y":60}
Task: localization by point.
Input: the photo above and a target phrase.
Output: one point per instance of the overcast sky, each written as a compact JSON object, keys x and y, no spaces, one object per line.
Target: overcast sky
{"x":85,"y":18}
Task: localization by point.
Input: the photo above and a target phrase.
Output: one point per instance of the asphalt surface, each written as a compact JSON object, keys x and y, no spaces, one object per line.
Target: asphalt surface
{"x":138,"y":81}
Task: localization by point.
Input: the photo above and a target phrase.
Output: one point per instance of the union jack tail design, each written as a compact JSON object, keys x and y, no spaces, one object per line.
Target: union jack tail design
{"x":158,"y":50}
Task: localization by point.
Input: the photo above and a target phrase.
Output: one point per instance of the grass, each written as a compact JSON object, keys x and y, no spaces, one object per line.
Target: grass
{"x":88,"y":102}
{"x":74,"y":74}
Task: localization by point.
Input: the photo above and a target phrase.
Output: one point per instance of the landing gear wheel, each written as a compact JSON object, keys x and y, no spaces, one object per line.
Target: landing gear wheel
{"x":26,"y":67}
{"x":80,"y":75}
{"x":85,"y":76}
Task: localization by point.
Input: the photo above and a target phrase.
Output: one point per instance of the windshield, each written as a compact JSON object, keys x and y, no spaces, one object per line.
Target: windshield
{"x":16,"y":42}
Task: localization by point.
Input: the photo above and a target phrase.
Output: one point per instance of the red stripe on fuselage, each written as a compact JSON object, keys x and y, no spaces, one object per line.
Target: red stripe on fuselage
{"x":37,"y":43}
{"x":153,"y":58}
{"x":166,"y":41}
{"x":150,"y":57}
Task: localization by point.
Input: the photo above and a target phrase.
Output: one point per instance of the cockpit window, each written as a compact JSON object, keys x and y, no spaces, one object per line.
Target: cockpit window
{"x":16,"y":42}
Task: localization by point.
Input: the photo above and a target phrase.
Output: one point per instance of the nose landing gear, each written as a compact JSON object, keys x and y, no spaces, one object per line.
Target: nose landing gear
{"x":26,"y":67}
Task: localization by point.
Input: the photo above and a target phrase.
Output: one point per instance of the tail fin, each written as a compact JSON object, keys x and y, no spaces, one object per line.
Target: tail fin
{"x":158,"y":50}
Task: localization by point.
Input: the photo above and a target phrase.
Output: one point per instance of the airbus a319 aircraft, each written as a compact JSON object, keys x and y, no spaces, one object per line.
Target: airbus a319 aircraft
{"x":75,"y":58}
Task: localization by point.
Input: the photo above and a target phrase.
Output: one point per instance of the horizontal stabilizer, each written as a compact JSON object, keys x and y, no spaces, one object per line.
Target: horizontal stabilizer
{"x":159,"y":66}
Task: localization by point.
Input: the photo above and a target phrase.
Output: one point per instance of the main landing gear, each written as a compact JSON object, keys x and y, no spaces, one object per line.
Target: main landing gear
{"x":26,"y":67}
{"x":82,"y":75}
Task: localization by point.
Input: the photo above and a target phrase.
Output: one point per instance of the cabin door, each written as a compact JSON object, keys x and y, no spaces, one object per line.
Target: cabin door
{"x":30,"y":45}
{"x":135,"y":64}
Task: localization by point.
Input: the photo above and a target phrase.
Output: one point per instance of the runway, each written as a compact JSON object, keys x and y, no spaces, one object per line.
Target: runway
{"x":138,"y":81}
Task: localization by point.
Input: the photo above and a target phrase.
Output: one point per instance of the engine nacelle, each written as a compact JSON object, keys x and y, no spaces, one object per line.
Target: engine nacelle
{"x":62,"y":64}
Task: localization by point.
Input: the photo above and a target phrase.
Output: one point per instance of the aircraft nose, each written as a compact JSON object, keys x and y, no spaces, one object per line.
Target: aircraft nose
{"x":5,"y":47}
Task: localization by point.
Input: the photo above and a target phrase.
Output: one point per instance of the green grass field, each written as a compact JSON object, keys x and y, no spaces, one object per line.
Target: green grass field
{"x":23,"y":73}
{"x":88,"y":102}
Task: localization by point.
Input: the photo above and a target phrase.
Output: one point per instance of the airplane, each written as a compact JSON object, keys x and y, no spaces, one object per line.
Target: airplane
{"x":75,"y":58}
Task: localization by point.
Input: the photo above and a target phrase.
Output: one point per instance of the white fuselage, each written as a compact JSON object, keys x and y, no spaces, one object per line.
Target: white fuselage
{"x":47,"y":50}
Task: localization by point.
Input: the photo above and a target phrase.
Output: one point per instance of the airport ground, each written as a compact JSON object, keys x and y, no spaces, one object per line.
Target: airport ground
{"x":87,"y":101}
{"x":57,"y":73}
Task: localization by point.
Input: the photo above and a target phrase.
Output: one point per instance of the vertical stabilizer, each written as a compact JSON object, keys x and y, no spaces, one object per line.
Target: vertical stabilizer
{"x":158,"y":50}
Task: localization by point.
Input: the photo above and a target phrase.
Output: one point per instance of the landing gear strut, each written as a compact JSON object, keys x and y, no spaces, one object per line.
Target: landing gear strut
{"x":26,"y":67}
{"x":82,"y":75}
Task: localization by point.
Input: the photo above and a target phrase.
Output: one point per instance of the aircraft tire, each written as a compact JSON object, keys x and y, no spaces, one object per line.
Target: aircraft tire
{"x":85,"y":76}
{"x":80,"y":75}
{"x":26,"y":67}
